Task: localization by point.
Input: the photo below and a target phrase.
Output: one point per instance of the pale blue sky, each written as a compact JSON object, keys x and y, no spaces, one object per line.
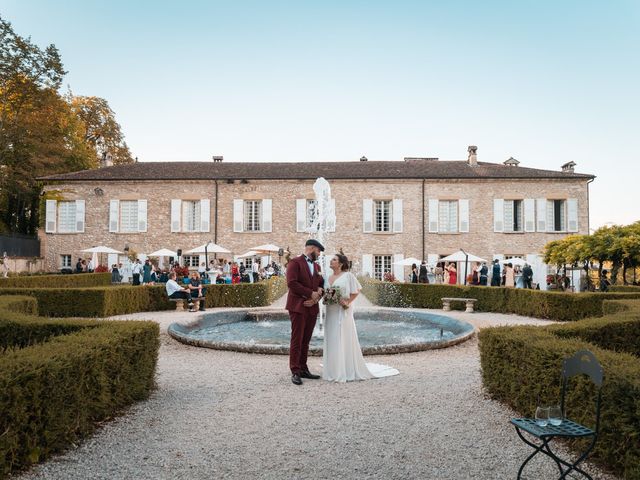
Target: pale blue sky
{"x":543,"y":81}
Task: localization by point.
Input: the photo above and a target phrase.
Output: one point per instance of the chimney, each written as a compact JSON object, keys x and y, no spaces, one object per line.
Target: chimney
{"x":363,"y":158}
{"x":568,"y":167}
{"x":473,"y":158}
{"x":217,"y":158}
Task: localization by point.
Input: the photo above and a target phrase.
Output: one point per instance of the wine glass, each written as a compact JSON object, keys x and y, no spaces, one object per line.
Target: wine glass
{"x":542,"y":416}
{"x":555,"y":415}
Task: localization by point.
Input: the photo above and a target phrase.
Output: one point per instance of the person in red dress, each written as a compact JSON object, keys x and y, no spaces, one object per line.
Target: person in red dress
{"x":235,"y":273}
{"x":453,"y":274}
{"x":305,"y":291}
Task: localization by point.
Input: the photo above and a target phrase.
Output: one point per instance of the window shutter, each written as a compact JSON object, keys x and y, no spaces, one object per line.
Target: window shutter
{"x":142,"y":215}
{"x":175,"y":214}
{"x":550,"y":216}
{"x":433,"y":215}
{"x":498,"y":215}
{"x":541,"y":214}
{"x":238,"y":214}
{"x":51,"y":214}
{"x":572,"y":214}
{"x":205,"y":215}
{"x":398,"y":270}
{"x":367,"y":215}
{"x":397,"y":215}
{"x":331,"y":226}
{"x":301,"y":214}
{"x":266,"y":215}
{"x":463,"y":206}
{"x":529,"y":215}
{"x":114,"y":215}
{"x":367,"y":265}
{"x":80,"y":216}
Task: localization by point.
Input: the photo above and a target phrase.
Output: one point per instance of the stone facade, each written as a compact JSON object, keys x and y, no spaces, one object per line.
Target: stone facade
{"x":414,"y":240}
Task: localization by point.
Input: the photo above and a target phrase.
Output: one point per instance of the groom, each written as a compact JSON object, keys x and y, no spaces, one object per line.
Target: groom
{"x":305,"y":291}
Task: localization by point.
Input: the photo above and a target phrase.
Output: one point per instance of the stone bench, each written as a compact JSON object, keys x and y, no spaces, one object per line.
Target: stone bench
{"x":469,"y":302}
{"x":181,"y":301}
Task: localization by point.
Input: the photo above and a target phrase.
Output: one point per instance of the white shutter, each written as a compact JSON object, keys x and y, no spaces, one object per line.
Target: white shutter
{"x":541,"y":214}
{"x":266,"y":215}
{"x":205,"y":215}
{"x":301,"y":214}
{"x":498,"y":215}
{"x":114,"y":215}
{"x":80,"y":216}
{"x":572,"y":215}
{"x":331,"y":226}
{"x":175,"y":214}
{"x":367,"y":215}
{"x":142,"y":215}
{"x":238,"y":214}
{"x":463,"y":206}
{"x":550,"y":216}
{"x":397,"y":215}
{"x":367,"y":265}
{"x":398,"y":270}
{"x":433,"y":215}
{"x":51,"y":214}
{"x":529,"y":215}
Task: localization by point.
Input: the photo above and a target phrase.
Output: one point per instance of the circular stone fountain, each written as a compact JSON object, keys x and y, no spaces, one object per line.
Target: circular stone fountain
{"x":380,"y":331}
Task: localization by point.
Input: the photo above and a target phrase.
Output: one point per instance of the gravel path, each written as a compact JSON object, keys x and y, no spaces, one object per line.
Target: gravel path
{"x":230,"y":415}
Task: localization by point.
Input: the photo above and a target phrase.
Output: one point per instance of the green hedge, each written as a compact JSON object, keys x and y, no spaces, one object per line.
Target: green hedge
{"x":559,"y":306}
{"x":59,"y":378}
{"x":57,"y":281}
{"x":521,"y":367}
{"x":624,"y":288}
{"x":118,"y":300}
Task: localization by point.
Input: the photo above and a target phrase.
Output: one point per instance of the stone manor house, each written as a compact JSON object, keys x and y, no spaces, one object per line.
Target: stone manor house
{"x":385,"y":210}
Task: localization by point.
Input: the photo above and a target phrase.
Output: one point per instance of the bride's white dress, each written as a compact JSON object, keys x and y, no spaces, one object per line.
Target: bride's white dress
{"x":342,"y":360}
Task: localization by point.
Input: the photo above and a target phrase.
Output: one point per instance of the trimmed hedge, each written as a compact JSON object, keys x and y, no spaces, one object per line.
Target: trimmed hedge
{"x":559,"y":306}
{"x":57,"y":281}
{"x":59,"y":378}
{"x":521,"y":367}
{"x":119,"y":300}
{"x":624,"y":288}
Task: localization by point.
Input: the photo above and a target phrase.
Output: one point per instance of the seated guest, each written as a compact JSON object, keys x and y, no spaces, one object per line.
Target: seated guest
{"x":198,"y":292}
{"x":176,"y":291}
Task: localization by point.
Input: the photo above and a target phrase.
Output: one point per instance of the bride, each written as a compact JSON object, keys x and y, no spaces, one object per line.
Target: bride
{"x":342,"y":358}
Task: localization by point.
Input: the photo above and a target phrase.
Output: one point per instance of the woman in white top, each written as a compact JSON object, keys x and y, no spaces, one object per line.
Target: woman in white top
{"x":342,"y":359}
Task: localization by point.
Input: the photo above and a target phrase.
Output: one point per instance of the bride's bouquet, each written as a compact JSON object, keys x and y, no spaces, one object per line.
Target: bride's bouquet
{"x":332,"y":296}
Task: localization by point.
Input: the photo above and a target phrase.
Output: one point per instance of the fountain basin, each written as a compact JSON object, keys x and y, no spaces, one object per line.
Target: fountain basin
{"x":380,"y":331}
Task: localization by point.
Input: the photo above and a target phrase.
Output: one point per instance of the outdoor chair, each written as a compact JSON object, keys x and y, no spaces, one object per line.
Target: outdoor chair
{"x":583,"y":362}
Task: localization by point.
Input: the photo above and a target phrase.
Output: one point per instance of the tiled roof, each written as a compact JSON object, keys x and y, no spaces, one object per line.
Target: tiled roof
{"x":418,"y":169}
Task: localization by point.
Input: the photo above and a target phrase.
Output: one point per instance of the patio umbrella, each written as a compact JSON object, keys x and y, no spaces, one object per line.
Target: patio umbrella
{"x":163,"y":252}
{"x":514,"y":261}
{"x":462,"y":256}
{"x":208,"y":248}
{"x":96,"y":250}
{"x":268,"y":248}
{"x":408,"y":261}
{"x":250,"y":253}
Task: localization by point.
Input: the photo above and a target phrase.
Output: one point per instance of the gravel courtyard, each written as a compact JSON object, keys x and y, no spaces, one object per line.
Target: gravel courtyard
{"x":229,"y":415}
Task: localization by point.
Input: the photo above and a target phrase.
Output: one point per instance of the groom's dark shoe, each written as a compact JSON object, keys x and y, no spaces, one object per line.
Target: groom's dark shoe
{"x":310,"y":375}
{"x":295,"y":379}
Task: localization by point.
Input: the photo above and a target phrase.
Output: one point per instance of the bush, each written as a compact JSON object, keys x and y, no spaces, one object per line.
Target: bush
{"x":533,"y":303}
{"x":59,"y":378}
{"x":624,"y":288}
{"x":521,"y":367}
{"x":57,"y":281}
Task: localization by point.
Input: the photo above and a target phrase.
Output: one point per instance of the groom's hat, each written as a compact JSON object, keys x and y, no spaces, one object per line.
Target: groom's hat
{"x":314,"y":243}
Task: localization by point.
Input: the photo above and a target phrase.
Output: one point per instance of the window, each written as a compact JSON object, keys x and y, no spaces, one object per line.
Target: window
{"x":556,"y":215}
{"x":191,"y":215}
{"x":191,"y":260}
{"x":252,"y":215}
{"x":65,"y":261}
{"x":448,"y":216}
{"x":513,"y":215}
{"x":128,"y":215}
{"x":312,"y":211}
{"x":381,"y":265}
{"x":66,"y":216}
{"x":382,"y":215}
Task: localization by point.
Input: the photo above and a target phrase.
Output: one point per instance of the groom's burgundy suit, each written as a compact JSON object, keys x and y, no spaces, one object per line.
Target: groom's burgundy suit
{"x":303,"y":319}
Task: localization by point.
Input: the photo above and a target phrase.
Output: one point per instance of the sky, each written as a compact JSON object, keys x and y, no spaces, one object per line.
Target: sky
{"x":545,"y":82}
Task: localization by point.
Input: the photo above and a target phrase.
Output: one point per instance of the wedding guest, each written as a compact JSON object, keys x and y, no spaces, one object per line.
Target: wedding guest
{"x":484,"y":271}
{"x":439,"y":273}
{"x":136,"y":271}
{"x":90,"y":266}
{"x":84,"y":266}
{"x":423,"y":274}
{"x":79,"y":266}
{"x":5,"y":265}
{"x":176,"y":291}
{"x":495,"y":273}
{"x":453,"y":274}
{"x":604,"y":282}
{"x":146,"y":272}
{"x":527,"y":275}
{"x":255,"y":270}
{"x":509,"y":276}
{"x":115,"y":274}
{"x":198,"y":292}
{"x":235,"y":273}
{"x":413,"y":276}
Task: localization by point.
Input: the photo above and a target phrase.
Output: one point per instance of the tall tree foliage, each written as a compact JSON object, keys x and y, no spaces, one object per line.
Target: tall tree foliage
{"x":42,"y":132}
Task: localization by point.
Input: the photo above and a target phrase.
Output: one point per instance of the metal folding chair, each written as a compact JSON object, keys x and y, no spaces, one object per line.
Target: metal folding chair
{"x":583,"y":362}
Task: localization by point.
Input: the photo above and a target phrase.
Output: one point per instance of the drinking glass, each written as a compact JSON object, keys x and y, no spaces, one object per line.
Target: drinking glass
{"x":542,"y":416}
{"x":555,"y":415}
